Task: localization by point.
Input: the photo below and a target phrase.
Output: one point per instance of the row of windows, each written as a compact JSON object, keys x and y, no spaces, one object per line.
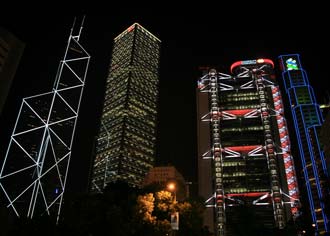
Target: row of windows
{"x":107,"y":153}
{"x":303,"y":95}
{"x":142,"y":156}
{"x":133,"y":144}
{"x":149,"y":122}
{"x":137,"y":82}
{"x":109,"y":144}
{"x":121,"y":58}
{"x":138,"y":62}
{"x":131,"y":169}
{"x":145,"y":96}
{"x":112,"y":137}
{"x":144,"y":36}
{"x":106,"y":156}
{"x":136,"y":165}
{"x":145,"y":123}
{"x":233,"y":163}
{"x":137,"y":111}
{"x":112,"y":96}
{"x":139,"y":139}
{"x":145,"y":78}
{"x":122,"y":45}
{"x":121,"y":55}
{"x":112,"y":143}
{"x":102,"y":171}
{"x":310,"y":115}
{"x":126,"y":40}
{"x":117,"y":82}
{"x":147,"y":38}
{"x":296,"y":78}
{"x":137,"y":106}
{"x":139,"y":123}
{"x":113,"y":113}
{"x":233,"y":174}
{"x":117,"y":73}
{"x":145,"y":81}
{"x":114,"y":132}
{"x":113,"y":102}
{"x":236,"y":99}
{"x":148,"y":49}
{"x":242,"y":129}
{"x":239,"y":107}
{"x":105,"y":162}
{"x":239,"y":94}
{"x":121,"y":95}
{"x":149,"y":77}
{"x":108,"y":125}
{"x":145,"y":55}
{"x":138,"y":130}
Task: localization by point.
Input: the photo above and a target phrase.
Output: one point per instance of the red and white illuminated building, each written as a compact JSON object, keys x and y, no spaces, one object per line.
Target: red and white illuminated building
{"x":245,"y":168}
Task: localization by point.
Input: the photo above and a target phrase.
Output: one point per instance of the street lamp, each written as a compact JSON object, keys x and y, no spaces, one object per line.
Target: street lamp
{"x":174,"y":215}
{"x":172,"y":188}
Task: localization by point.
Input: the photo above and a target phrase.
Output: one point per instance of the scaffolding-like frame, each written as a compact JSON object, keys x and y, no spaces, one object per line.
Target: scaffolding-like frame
{"x":35,"y":169}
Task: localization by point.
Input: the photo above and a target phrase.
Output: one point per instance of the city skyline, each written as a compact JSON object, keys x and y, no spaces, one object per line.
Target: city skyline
{"x":188,"y":42}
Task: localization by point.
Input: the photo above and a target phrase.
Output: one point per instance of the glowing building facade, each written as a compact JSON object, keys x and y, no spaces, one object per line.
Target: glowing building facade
{"x":125,"y":148}
{"x":244,"y":158}
{"x":307,"y":120}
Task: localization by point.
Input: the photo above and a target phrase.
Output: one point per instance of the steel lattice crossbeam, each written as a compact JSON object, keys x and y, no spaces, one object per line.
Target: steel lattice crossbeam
{"x":35,"y":168}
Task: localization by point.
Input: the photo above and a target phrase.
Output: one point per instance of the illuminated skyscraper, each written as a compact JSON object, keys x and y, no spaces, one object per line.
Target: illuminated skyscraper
{"x":307,"y":120}
{"x":245,"y":168}
{"x":125,"y":148}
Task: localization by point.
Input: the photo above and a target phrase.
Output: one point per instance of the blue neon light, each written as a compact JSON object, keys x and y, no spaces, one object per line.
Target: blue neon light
{"x":290,"y":63}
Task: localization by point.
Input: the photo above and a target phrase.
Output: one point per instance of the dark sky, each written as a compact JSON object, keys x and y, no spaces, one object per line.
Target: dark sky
{"x":205,"y":36}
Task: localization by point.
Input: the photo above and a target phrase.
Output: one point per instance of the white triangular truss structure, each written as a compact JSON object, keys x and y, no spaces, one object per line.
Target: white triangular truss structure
{"x":35,"y":168}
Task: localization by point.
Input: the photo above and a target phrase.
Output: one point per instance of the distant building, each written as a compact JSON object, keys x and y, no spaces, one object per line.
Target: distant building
{"x":245,"y":168}
{"x":125,"y":148}
{"x":163,"y":175}
{"x":307,"y":120}
{"x":11,"y":50}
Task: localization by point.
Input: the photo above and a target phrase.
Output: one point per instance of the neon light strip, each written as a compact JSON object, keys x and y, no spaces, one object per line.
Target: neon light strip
{"x":251,"y":62}
{"x":285,"y":145}
{"x":303,"y":130}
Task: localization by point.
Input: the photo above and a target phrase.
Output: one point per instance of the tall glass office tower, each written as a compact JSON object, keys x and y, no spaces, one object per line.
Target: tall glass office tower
{"x":125,"y":148}
{"x":307,"y":119}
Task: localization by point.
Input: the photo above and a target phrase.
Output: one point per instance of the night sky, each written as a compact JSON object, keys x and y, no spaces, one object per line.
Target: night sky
{"x":190,"y":39}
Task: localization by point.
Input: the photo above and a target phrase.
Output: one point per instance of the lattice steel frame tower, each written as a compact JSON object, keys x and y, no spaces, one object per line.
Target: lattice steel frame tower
{"x":307,"y":120}
{"x":244,"y":148}
{"x":35,"y":168}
